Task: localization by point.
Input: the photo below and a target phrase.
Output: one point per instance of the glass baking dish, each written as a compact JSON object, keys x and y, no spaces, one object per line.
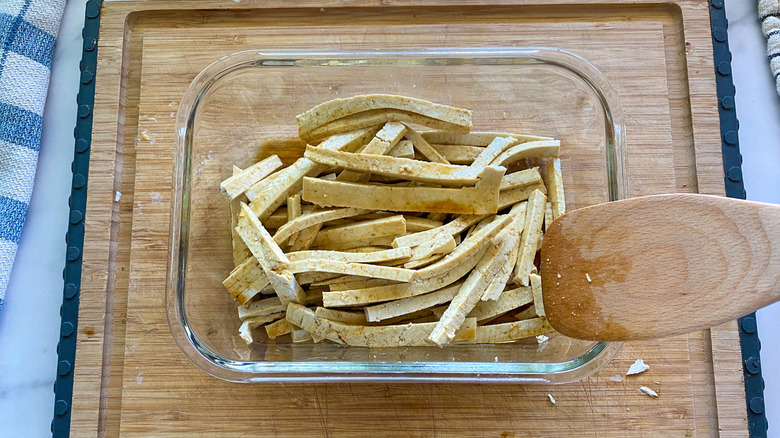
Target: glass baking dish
{"x":242,"y":108}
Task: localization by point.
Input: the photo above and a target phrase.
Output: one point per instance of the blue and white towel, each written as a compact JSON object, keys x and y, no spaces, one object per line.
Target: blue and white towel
{"x":769,"y":14}
{"x":28,"y":29}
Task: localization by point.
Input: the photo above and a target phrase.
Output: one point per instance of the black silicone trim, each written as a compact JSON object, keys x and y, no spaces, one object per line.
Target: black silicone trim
{"x":66,"y":348}
{"x":735,"y":188}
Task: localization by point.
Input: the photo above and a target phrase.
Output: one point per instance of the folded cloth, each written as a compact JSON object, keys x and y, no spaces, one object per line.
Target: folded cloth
{"x":769,"y":14}
{"x":28,"y":29}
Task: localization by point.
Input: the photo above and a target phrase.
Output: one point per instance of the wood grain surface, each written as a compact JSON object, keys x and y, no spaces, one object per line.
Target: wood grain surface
{"x":132,"y":379}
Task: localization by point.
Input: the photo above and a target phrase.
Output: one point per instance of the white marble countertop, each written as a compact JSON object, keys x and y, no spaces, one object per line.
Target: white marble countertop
{"x":29,"y":322}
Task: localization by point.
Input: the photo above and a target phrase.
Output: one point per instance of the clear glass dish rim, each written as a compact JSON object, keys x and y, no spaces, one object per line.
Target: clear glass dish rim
{"x":315,"y":371}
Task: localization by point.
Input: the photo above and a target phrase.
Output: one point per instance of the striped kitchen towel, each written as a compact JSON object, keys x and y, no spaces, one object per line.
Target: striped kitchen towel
{"x":769,"y":14}
{"x":28,"y":29}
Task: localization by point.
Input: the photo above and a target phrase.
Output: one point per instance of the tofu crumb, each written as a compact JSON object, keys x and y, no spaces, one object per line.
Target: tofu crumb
{"x":145,"y":135}
{"x":628,"y":409}
{"x":559,"y":275}
{"x":588,"y":277}
{"x":552,"y":399}
{"x":117,"y":196}
{"x":542,"y":339}
{"x":616,"y":378}
{"x":637,"y":367}
{"x":647,"y":391}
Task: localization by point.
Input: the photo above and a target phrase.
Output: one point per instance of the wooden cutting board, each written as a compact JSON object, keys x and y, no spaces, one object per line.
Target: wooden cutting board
{"x":131,"y":378}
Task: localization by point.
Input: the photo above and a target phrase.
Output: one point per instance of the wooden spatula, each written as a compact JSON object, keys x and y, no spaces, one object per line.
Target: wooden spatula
{"x":658,"y":266}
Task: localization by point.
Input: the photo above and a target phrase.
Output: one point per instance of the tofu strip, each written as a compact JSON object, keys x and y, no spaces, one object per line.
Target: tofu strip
{"x":409,"y":305}
{"x":544,"y":148}
{"x":493,"y":150}
{"x":475,"y":138}
{"x":246,"y":277}
{"x":240,"y":252}
{"x":381,"y":144}
{"x":293,"y":210}
{"x":403,"y":335}
{"x":293,"y":207}
{"x":271,"y":257}
{"x":404,"y":149}
{"x":315,"y":277}
{"x":275,"y":220}
{"x":302,"y":240}
{"x":278,"y":328}
{"x":374,"y":118}
{"x":512,"y":331}
{"x":341,"y":279}
{"x":301,"y":335}
{"x":556,"y":188}
{"x":245,"y":331}
{"x":345,"y":245}
{"x":458,"y":153}
{"x":456,"y":226}
{"x":415,"y":224}
{"x":390,"y":134}
{"x":302,"y":222}
{"x":425,"y":148}
{"x":378,"y":294}
{"x":248,"y":294}
{"x":522,"y":178}
{"x":387,"y":255}
{"x":240,"y":182}
{"x":536,"y":288}
{"x":340,"y":108}
{"x":548,"y":215}
{"x":269,"y":193}
{"x":480,"y":199}
{"x":416,"y":264}
{"x":345,"y":268}
{"x":528,"y":313}
{"x":360,"y":284}
{"x":369,"y":229}
{"x":518,"y":194}
{"x":528,"y":243}
{"x":442,"y":243}
{"x":342,"y":316}
{"x":408,"y":169}
{"x":262,"y":307}
{"x":508,"y":301}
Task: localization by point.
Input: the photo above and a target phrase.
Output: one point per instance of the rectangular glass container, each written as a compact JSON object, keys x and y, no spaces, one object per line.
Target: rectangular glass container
{"x":242,"y":109}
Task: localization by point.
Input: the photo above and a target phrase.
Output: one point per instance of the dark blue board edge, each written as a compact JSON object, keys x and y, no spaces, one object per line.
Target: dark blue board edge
{"x":71,"y":274}
{"x":66,"y":348}
{"x":735,"y":188}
